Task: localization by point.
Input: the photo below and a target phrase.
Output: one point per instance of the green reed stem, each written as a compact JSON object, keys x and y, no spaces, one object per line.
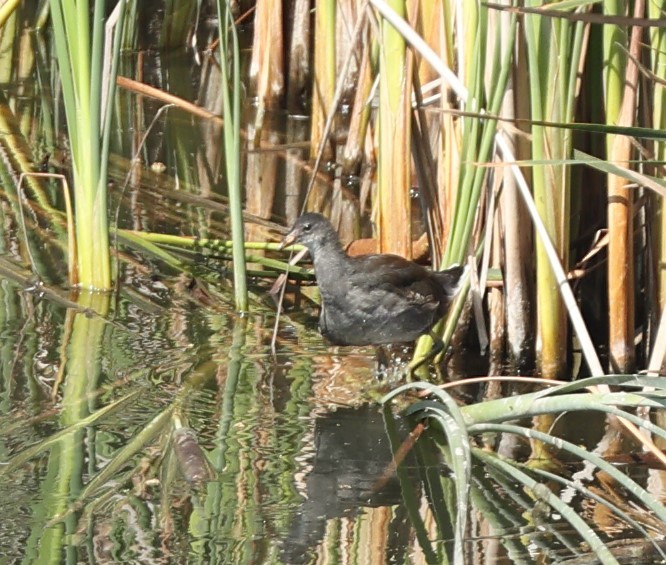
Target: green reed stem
{"x":230,"y":66}
{"x":658,"y":44}
{"x":80,"y":58}
{"x":149,"y":241}
{"x":554,"y":51}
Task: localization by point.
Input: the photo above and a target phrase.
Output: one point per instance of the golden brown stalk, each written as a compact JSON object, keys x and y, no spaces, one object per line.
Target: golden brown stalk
{"x":324,"y":72}
{"x":266,"y":68}
{"x":358,"y":125}
{"x":620,"y":225}
{"x":394,"y":174}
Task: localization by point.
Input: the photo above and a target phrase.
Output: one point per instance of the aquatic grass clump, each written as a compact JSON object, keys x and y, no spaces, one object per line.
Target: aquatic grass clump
{"x":463,"y":425}
{"x":87,"y":78}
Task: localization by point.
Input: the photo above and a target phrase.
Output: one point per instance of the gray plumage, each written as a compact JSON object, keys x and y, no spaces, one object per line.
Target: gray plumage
{"x":371,"y":299}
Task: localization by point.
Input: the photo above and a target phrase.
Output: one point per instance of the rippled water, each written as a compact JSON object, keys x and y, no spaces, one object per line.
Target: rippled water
{"x":289,"y":455}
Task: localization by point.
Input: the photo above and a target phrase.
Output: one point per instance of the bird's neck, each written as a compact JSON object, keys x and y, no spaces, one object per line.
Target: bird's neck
{"x":330,"y":263}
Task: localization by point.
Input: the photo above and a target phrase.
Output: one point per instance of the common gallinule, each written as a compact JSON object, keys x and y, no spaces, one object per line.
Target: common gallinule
{"x":371,"y":299}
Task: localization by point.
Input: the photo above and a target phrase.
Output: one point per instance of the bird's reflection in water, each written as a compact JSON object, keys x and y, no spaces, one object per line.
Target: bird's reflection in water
{"x":351,"y":454}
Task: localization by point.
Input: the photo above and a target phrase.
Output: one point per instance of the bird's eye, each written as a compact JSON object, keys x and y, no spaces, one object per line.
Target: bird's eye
{"x":307,"y":227}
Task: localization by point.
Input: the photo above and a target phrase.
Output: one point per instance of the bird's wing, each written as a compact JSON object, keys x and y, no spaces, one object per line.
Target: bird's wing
{"x":385,"y":268}
{"x":394,"y":274}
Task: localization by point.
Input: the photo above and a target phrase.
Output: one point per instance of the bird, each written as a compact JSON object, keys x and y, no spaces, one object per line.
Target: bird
{"x":376,"y":299}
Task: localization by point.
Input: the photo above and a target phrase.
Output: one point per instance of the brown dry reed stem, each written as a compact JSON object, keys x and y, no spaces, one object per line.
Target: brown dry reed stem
{"x":323,"y":88}
{"x":517,"y":243}
{"x":360,"y":117}
{"x":266,"y":67}
{"x":299,"y":54}
{"x":398,"y":457}
{"x":393,"y":205}
{"x":621,"y":108}
{"x":146,"y":90}
{"x":504,"y":378}
{"x":239,"y":20}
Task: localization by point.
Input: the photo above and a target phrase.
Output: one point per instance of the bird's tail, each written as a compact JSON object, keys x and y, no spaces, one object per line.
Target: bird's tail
{"x":451,"y":278}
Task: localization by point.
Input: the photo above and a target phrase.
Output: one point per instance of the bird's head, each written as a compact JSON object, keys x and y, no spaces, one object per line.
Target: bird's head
{"x":313,"y":231}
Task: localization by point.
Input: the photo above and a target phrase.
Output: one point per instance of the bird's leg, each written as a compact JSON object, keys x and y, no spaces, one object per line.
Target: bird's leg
{"x":437,"y":348}
{"x":382,"y":360}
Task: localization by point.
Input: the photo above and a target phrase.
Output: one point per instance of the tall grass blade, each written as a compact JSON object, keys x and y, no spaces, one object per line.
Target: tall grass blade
{"x":230,"y":64}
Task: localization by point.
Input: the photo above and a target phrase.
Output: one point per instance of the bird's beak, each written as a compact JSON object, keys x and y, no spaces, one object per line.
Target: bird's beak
{"x":289,"y":239}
